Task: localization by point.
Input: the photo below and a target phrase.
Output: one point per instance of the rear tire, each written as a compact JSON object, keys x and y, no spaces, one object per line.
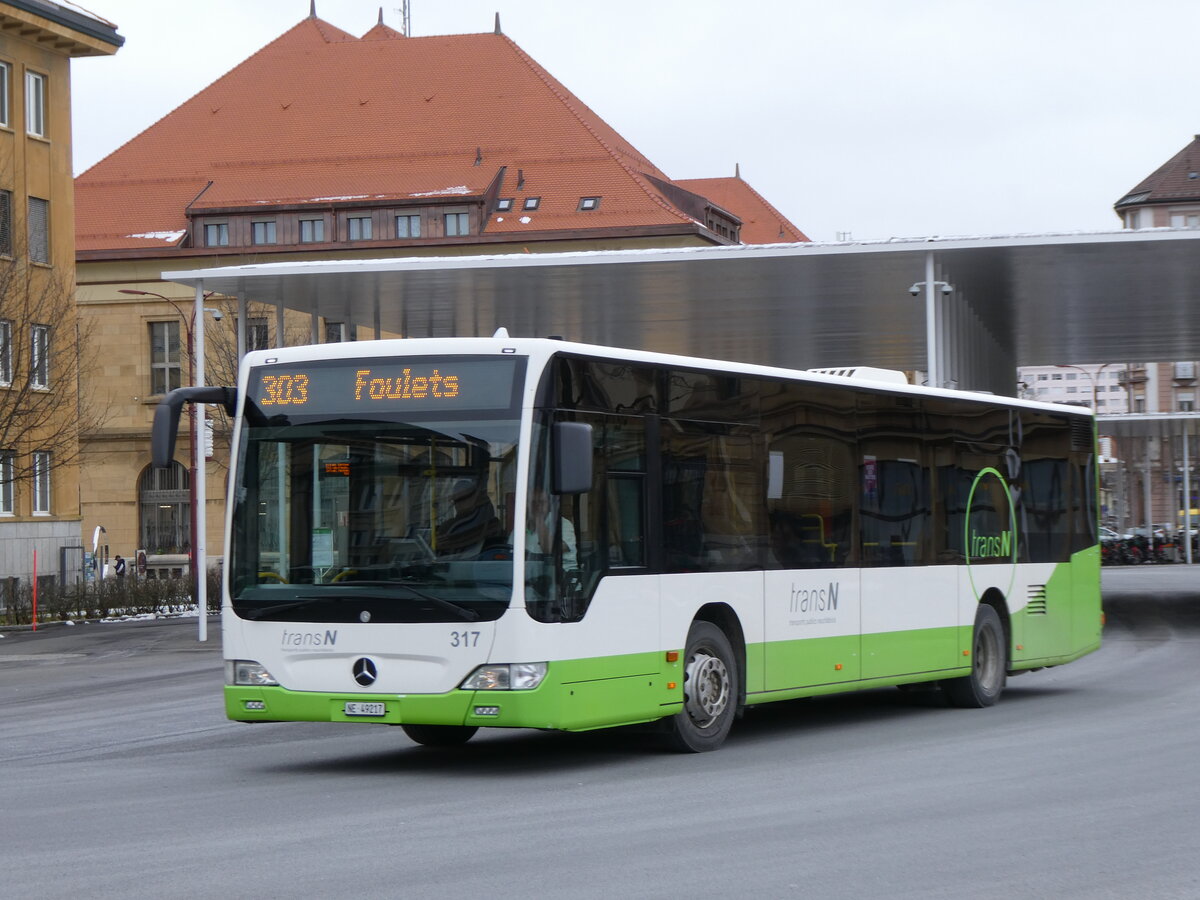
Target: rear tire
{"x":711,"y":690}
{"x":989,"y":664}
{"x":440,"y":735}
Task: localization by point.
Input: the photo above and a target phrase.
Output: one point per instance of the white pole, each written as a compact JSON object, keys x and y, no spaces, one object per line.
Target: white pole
{"x":1187,"y":496}
{"x":199,"y":553}
{"x":931,"y":324}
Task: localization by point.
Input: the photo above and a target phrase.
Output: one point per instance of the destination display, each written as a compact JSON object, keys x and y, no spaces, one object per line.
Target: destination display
{"x":420,"y":384}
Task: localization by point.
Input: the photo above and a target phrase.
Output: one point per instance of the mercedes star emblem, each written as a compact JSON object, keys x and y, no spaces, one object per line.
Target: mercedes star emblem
{"x":364,"y":671}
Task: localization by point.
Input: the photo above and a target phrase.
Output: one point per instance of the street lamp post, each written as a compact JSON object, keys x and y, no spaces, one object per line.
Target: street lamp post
{"x":193,"y":456}
{"x":1093,"y":377}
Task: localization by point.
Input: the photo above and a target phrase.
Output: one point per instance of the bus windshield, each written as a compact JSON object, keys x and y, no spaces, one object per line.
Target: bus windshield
{"x":378,"y":518}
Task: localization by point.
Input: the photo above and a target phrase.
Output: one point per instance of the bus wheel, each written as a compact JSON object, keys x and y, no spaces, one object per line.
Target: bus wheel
{"x":989,"y":663}
{"x":440,"y":735}
{"x":710,"y":692}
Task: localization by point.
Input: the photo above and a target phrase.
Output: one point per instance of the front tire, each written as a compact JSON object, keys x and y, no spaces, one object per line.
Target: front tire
{"x":440,"y":735}
{"x":989,"y":664}
{"x":711,"y":690}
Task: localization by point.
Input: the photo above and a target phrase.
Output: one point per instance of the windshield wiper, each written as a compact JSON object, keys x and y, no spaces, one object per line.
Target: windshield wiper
{"x":463,"y":612}
{"x":263,"y":611}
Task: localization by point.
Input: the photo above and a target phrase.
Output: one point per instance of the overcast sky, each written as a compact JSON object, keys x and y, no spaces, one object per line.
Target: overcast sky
{"x":881,"y":118}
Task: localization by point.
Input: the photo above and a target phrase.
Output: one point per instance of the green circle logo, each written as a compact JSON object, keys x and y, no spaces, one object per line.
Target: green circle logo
{"x":990,"y":531}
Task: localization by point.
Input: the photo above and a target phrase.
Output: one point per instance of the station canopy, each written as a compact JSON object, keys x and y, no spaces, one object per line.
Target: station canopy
{"x":995,"y":303}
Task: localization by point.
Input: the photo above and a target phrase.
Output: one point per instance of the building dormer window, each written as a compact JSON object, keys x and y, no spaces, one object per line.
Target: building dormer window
{"x":504,"y":204}
{"x":359,"y":228}
{"x":262,"y":232}
{"x":532,"y":203}
{"x":216,"y":234}
{"x":457,"y":224}
{"x":312,"y":231}
{"x":408,"y":226}
{"x":587,"y":204}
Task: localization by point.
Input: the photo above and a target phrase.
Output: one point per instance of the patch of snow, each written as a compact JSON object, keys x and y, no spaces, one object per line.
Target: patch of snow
{"x":459,"y":189}
{"x":499,"y":218}
{"x":168,"y":236}
{"x":524,"y":220}
{"x":333,"y":199}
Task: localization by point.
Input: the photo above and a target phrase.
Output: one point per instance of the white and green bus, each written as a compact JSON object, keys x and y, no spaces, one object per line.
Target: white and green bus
{"x":446,"y":534}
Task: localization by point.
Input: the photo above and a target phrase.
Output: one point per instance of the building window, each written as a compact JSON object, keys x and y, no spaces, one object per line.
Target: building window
{"x":164,"y":357}
{"x":1185,"y":370}
{"x":335,"y":332}
{"x":457,"y":224}
{"x":312,"y":231}
{"x":5,"y":223}
{"x":589,"y":203}
{"x":408,"y":226}
{"x":35,"y":104}
{"x":41,"y":482}
{"x":216,"y":234}
{"x":5,"y":92}
{"x":505,"y":204}
{"x":359,"y":227}
{"x":8,"y":471}
{"x":39,"y":230}
{"x":258,"y":335}
{"x":39,"y":356}
{"x":1057,"y":376}
{"x":165,"y":509}
{"x":262,"y":232}
{"x":532,"y":202}
{"x":6,"y":351}
{"x":1185,"y":220}
{"x":1185,"y":402}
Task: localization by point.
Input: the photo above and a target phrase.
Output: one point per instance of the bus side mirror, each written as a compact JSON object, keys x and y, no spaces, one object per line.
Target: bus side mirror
{"x":572,"y":458}
{"x":166,"y":418}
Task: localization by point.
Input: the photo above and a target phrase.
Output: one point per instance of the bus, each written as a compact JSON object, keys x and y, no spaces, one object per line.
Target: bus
{"x":448,"y":534}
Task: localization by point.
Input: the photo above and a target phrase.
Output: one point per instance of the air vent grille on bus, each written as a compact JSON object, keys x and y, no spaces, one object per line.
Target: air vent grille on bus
{"x":865,"y":373}
{"x":1081,"y":434}
{"x":1037,"y":600}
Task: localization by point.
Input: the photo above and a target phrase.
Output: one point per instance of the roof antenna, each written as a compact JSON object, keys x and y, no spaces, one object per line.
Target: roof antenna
{"x":312,"y":9}
{"x":498,"y":31}
{"x":380,"y":22}
{"x":737,"y":170}
{"x":478,"y":156}
{"x":405,"y":19}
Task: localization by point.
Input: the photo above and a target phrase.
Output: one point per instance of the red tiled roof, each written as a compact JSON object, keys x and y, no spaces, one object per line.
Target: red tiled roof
{"x":761,"y":222}
{"x":319,"y":115}
{"x":1177,"y":180}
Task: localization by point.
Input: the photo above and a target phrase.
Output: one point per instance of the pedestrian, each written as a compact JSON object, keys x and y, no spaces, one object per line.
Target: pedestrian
{"x":119,"y":567}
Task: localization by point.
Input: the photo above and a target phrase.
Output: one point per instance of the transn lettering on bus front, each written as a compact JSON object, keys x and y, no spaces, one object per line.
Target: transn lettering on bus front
{"x":406,"y":386}
{"x":282,"y":390}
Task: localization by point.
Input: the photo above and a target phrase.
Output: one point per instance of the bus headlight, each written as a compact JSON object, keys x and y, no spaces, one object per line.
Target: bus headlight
{"x":506,"y":677}
{"x":248,"y":672}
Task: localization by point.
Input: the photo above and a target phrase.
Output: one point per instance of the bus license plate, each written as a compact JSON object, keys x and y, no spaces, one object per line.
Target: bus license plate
{"x":356,"y":708}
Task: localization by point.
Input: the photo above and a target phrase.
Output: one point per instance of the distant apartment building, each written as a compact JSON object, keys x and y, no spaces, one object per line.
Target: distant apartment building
{"x":323,"y":145}
{"x":39,"y":465}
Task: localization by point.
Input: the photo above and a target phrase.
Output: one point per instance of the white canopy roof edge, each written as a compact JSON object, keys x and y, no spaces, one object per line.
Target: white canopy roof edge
{"x":983,"y":305}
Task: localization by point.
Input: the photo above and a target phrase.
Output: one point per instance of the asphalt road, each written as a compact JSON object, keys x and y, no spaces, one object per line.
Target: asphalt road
{"x":121,"y":778}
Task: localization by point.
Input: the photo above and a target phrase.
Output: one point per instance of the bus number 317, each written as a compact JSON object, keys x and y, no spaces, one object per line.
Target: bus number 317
{"x":464,"y":638}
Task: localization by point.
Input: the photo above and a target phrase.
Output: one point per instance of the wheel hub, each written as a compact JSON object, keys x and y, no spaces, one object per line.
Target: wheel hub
{"x":705,"y":688}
